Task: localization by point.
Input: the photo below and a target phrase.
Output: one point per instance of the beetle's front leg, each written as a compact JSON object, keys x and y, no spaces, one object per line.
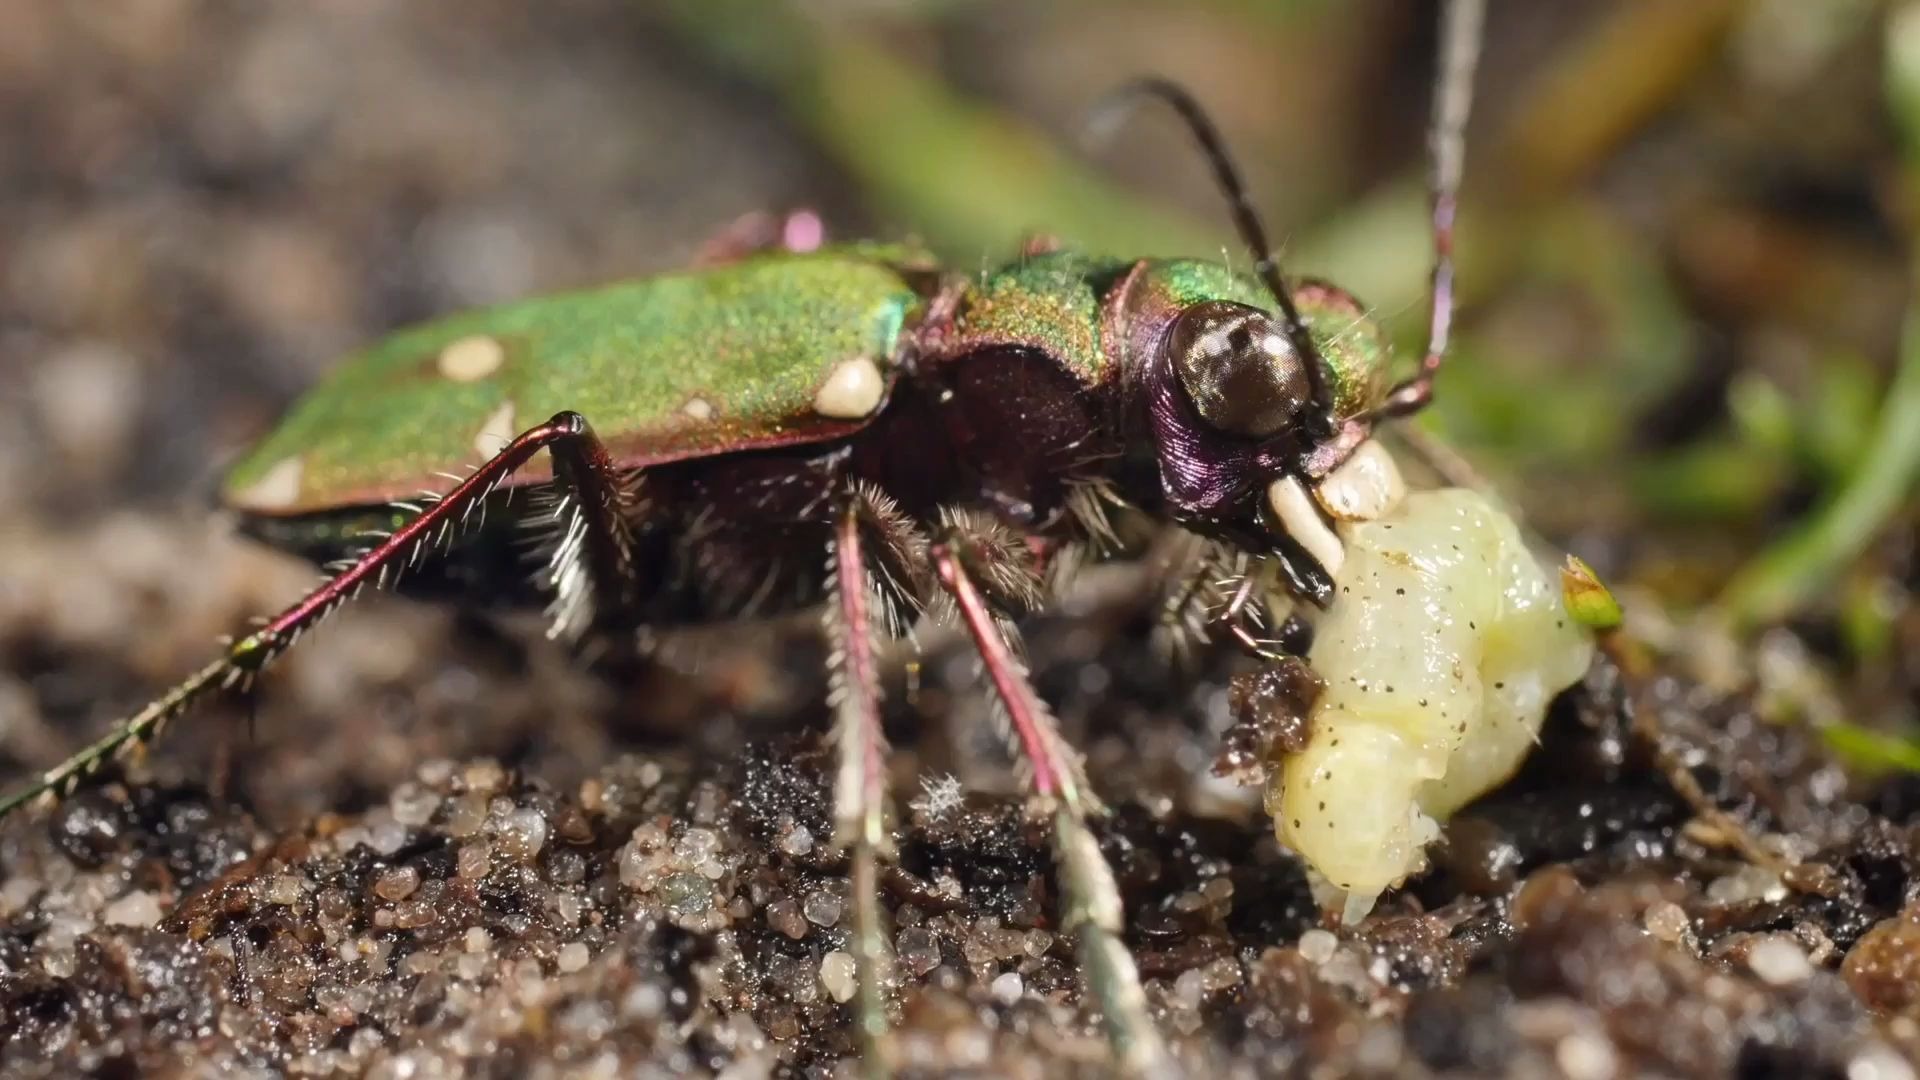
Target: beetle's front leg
{"x":599,"y":561}
{"x":970,"y":555}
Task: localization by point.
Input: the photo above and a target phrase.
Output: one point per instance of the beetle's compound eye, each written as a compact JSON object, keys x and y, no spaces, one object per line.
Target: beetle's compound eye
{"x":1238,"y":368}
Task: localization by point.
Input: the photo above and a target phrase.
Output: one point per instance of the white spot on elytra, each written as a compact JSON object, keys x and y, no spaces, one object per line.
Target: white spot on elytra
{"x":471,"y":358}
{"x":497,"y":432}
{"x":277,"y":488}
{"x":698,"y":409}
{"x":852,"y":390}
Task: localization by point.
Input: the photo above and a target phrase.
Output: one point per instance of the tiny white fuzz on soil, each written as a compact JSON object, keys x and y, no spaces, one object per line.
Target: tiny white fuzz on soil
{"x":1443,"y":647}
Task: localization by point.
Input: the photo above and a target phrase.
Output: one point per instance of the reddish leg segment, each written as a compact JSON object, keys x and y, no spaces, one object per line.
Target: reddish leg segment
{"x":860,"y":789}
{"x":582,"y":468}
{"x":1091,"y":908}
{"x":1054,"y":774}
{"x":1452,"y":101}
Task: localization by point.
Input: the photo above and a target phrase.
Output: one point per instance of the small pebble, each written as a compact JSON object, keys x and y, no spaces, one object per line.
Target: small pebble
{"x":566,"y":867}
{"x":1746,"y":885}
{"x":413,"y":914}
{"x":917,"y":950}
{"x":387,"y":837}
{"x":1317,"y":946}
{"x":333,"y":905}
{"x":697,"y":845}
{"x":1878,"y":1061}
{"x":822,"y":908}
{"x":1008,"y":988}
{"x":797,"y":842}
{"x":636,"y":867}
{"x":413,"y":804}
{"x":686,"y":895}
{"x":593,"y":795}
{"x":784,"y":916}
{"x":1668,"y":921}
{"x":1222,"y":974}
{"x":465,"y":816}
{"x":1778,"y":961}
{"x":1585,"y":1056}
{"x":523,"y":834}
{"x":397,"y":883}
{"x":485,"y":777}
{"x":133,"y":909}
{"x":478,"y":940}
{"x":837,"y":975}
{"x":474,"y":860}
{"x":283,"y":889}
{"x":572,"y":958}
{"x":644,"y":1002}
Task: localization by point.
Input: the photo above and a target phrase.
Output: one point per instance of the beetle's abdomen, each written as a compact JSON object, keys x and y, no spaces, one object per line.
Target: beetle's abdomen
{"x":773,"y":351}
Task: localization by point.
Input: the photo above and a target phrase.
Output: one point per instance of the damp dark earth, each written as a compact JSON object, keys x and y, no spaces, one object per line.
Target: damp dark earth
{"x":429,"y":842}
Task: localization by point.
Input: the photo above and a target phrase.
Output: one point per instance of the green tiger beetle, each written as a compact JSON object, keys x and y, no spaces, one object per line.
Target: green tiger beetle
{"x":850,"y":428}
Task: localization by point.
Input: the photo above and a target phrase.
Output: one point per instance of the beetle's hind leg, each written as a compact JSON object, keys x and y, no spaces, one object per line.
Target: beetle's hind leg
{"x":601,"y":562}
{"x":983,"y":571}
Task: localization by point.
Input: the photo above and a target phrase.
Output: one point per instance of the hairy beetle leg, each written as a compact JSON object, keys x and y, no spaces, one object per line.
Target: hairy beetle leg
{"x":859,"y":795}
{"x":1092,"y":910}
{"x":591,"y":570}
{"x":578,"y":459}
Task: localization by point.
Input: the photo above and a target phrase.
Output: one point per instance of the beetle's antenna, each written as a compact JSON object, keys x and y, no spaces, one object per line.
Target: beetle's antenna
{"x":1460,"y":33}
{"x":1111,"y":109}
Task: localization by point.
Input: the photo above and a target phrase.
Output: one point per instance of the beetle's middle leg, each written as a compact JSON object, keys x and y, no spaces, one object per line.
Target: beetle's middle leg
{"x":599,"y":564}
{"x":971,"y":554}
{"x":870,"y":591}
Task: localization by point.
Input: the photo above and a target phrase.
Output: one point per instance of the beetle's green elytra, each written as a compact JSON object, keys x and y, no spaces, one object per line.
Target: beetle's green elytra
{"x":669,"y":367}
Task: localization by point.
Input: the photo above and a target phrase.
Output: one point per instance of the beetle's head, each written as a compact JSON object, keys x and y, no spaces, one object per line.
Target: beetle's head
{"x":1260,"y":441}
{"x":1239,"y":370}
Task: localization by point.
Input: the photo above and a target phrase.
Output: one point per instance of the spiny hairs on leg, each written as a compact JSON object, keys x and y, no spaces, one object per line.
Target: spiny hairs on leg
{"x":433,"y":523}
{"x":859,"y":798}
{"x":63,"y":779}
{"x":1091,"y":908}
{"x":994,"y":565}
{"x":588,"y":525}
{"x":1193,"y":586}
{"x":1001,"y":565}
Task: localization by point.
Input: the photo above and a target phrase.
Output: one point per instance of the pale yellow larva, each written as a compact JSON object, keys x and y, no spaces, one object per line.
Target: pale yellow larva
{"x":1444,"y":645}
